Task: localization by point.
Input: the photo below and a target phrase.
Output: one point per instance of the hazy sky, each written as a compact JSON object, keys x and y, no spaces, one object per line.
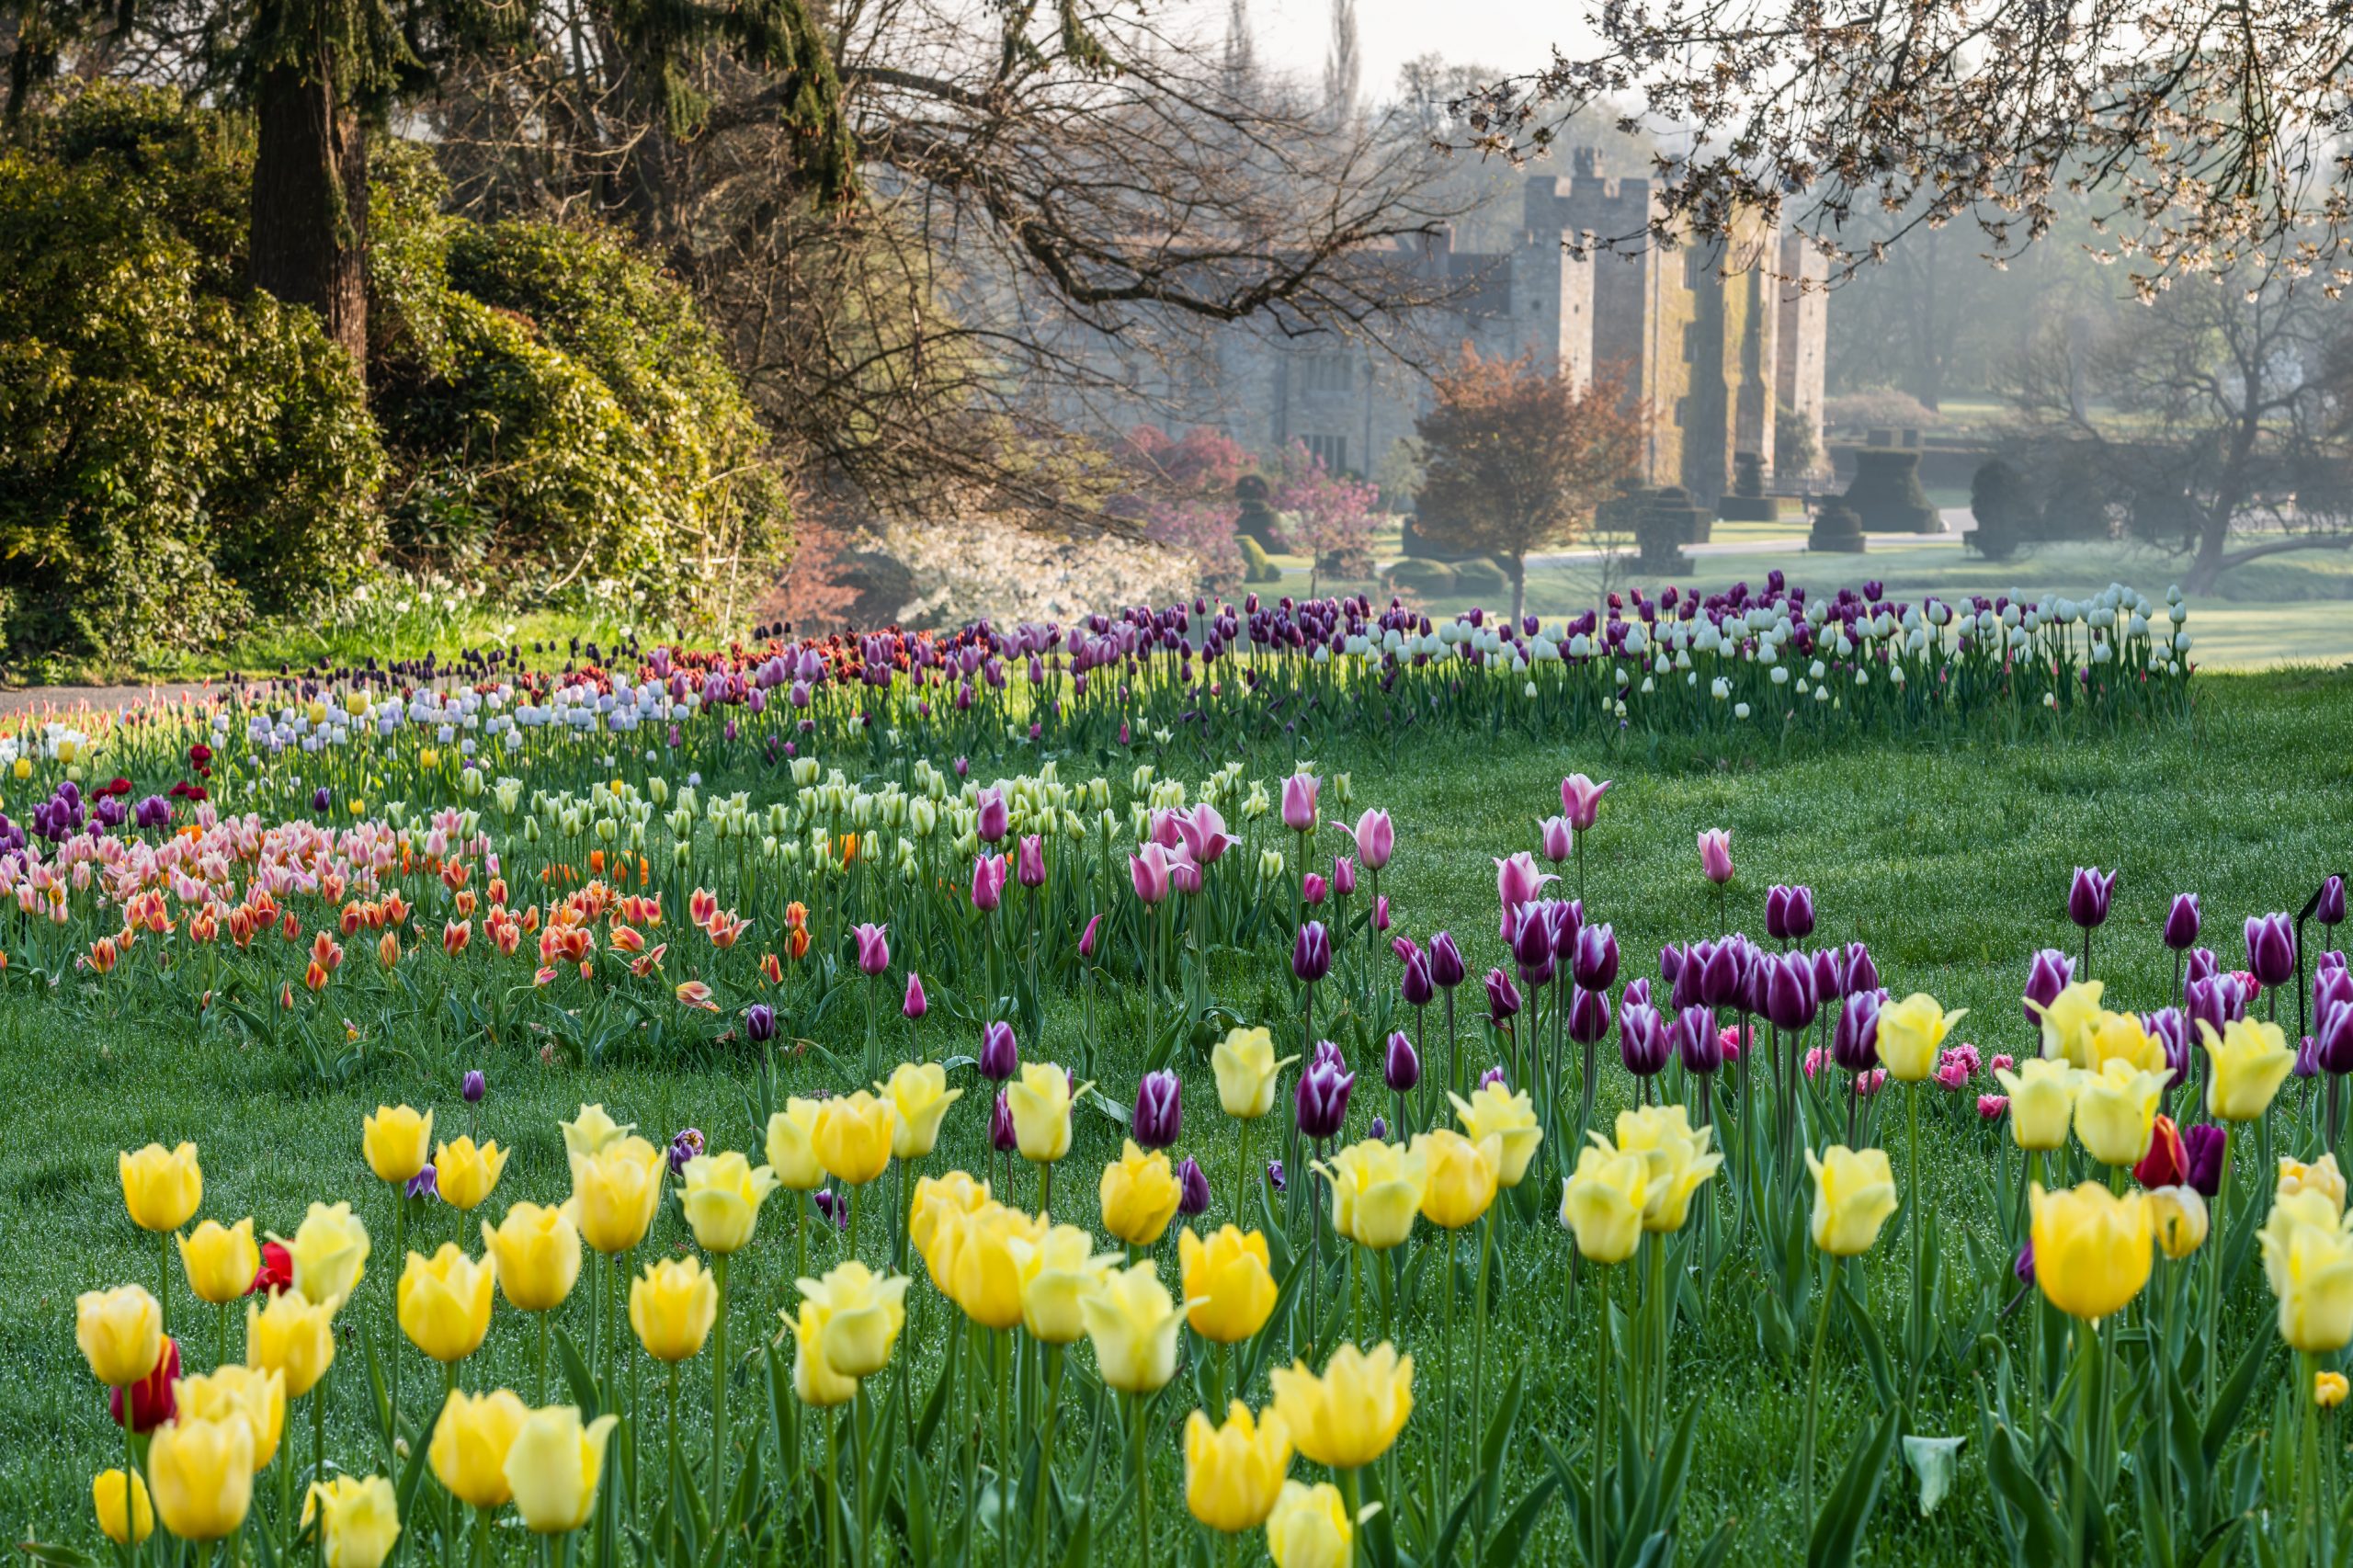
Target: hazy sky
{"x":1512,"y":35}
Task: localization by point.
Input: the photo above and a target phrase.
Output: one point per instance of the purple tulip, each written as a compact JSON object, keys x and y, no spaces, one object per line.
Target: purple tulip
{"x":759,"y":1023}
{"x":1854,"y":1044}
{"x":873,"y":948}
{"x":1857,"y":971}
{"x":1000,"y":1052}
{"x":1683,"y":990}
{"x":1401,"y":1069}
{"x":2046,"y":975}
{"x":1643,"y":1043}
{"x":1376,"y":839}
{"x":1160,"y":1109}
{"x":2208,"y":1004}
{"x":993,"y":819}
{"x":1790,"y":999}
{"x":1636,"y":991}
{"x":2307,"y":1063}
{"x":1789,"y":912}
{"x":1311,"y":952}
{"x":1531,"y":937}
{"x":1589,"y":1016}
{"x":1671,"y":959}
{"x":1327,"y":1053}
{"x":1002,"y":1138}
{"x":1031,"y":872}
{"x":2087,"y":896}
{"x":1595,"y":965}
{"x":1720,"y":976}
{"x":1313,"y":889}
{"x":475,"y":1087}
{"x":2331,"y":983}
{"x":425,"y":1183}
{"x":1503,"y":996}
{"x":1414,"y":986}
{"x":1344,"y":876}
{"x":2181,"y":923}
{"x":1493,"y":1075}
{"x":988,"y":882}
{"x":1446,"y":962}
{"x":320,"y":797}
{"x":1299,"y":802}
{"x":1321,"y":1104}
{"x":831,"y":1207}
{"x":1275,"y":1175}
{"x":1829,"y":971}
{"x":2270,"y":949}
{"x":2024,"y":1267}
{"x":2202,"y":964}
{"x":2203,"y":1147}
{"x":686,"y":1146}
{"x":2334,"y":1043}
{"x":1697,"y":1042}
{"x":1090,"y":936}
{"x":2329,"y":906}
{"x":1565,"y":919}
{"x":916,"y":1006}
{"x":1379,"y":1130}
{"x":1556,"y":838}
{"x":153,"y":811}
{"x":1192,"y":1188}
{"x":2170,"y":1027}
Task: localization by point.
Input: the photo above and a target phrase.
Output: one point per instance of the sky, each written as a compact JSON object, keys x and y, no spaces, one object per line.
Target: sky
{"x":1514,"y":35}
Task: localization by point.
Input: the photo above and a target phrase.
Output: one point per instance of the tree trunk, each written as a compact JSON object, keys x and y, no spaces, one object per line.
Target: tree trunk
{"x":1516,"y":568}
{"x":310,"y":212}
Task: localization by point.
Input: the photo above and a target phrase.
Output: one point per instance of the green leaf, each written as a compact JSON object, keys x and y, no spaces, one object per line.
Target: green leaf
{"x":577,"y":1374}
{"x":56,"y":1556}
{"x":2013,"y":1480}
{"x":1839,"y":1527}
{"x":1934,"y":1461}
{"x":1511,"y":1531}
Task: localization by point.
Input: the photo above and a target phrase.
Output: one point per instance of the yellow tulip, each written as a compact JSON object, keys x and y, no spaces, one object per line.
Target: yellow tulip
{"x":2308,"y":1259}
{"x":161,"y":1186}
{"x":359,"y":1519}
{"x":203,"y":1475}
{"x":1228,"y":1285}
{"x":2329,"y":1389}
{"x":444,"y":1303}
{"x":792,"y":1146}
{"x":1853,"y":1195}
{"x":1461,"y":1182}
{"x":672,"y":1306}
{"x":536,"y":1250}
{"x":1247,"y":1069}
{"x":1348,"y":1418}
{"x":395,"y":1140}
{"x":2120,"y":1037}
{"x":255,"y":1396}
{"x":466,"y":1174}
{"x":591,"y":1133}
{"x":1234,"y":1472}
{"x":120,"y":1333}
{"x":919,"y":1095}
{"x":854,"y":1135}
{"x":2178,"y":1215}
{"x":1310,"y":1527}
{"x":815,"y":1383}
{"x":290,"y":1336}
{"x":1911,"y":1034}
{"x":2043,"y":1101}
{"x":1677,"y":1158}
{"x":471,"y":1442}
{"x":554,"y":1467}
{"x":329,"y":1250}
{"x":939,"y":1201}
{"x":1133,"y":1322}
{"x":2321,"y":1176}
{"x":1376,"y":1191}
{"x":1140,"y":1194}
{"x":219,"y":1260}
{"x":1509,"y":1118}
{"x":976,"y":1254}
{"x":1057,"y":1271}
{"x":2069,"y":1020}
{"x":721,"y":1198}
{"x":858,"y":1316}
{"x":1602,"y":1202}
{"x":615,"y":1192}
{"x":2248,"y":1061}
{"x":126,"y":1517}
{"x":2116,"y":1112}
{"x":2092,"y":1249}
{"x":1040,"y":1101}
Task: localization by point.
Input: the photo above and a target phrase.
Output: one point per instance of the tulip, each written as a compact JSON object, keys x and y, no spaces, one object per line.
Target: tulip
{"x":1311,"y":953}
{"x":1229,"y":1283}
{"x":1246,"y":1069}
{"x":1496,"y":1111}
{"x":536,"y":1252}
{"x":1503,"y":996}
{"x":1159,"y":1110}
{"x":2204,"y":1148}
{"x":1193,"y":1188}
{"x":2178,"y":1216}
{"x":395,"y":1140}
{"x":2165,"y":1163}
{"x":1517,"y":880}
{"x":1134,"y":1324}
{"x":1644,"y":1043}
{"x":1376,"y":839}
{"x":2043,"y":1101}
{"x":1350,"y":1416}
{"x":468,"y":1174}
{"x":1556,"y":839}
{"x":1055,"y":1271}
{"x":993,"y":820}
{"x":2321,"y":1177}
{"x":722,"y":1193}
{"x":444,"y":1304}
{"x":616,"y":1192}
{"x":126,"y":1514}
{"x":2329,"y":907}
{"x":1139,"y":1196}
{"x":2070,"y":1020}
{"x":2329,"y":1389}
{"x":1002,"y":1137}
{"x":760,"y":1022}
{"x":873,"y":957}
{"x":219,"y":1260}
{"x":1320,"y":1106}
{"x":1462,"y":1175}
{"x":1414,"y":986}
{"x":162,"y":1187}
{"x":1678,"y":1160}
{"x":1854,"y":1193}
{"x":2049,"y":972}
{"x":1602,"y":1203}
{"x":2247,"y":1063}
{"x":1789,"y":912}
{"x":1029,"y":866}
{"x":1151,"y":873}
{"x":1234,"y":1473}
{"x":1697,"y":1043}
{"x":2211,"y":1002}
{"x":2087,"y":896}
{"x":245,"y":1394}
{"x":854,"y":1135}
{"x":791,"y":1146}
{"x":1715,"y":855}
{"x":914,"y":1005}
{"x":857,"y":1315}
{"x":1854,"y":1044}
{"x":2181,"y":923}
{"x":292,"y":1336}
{"x":359,"y":1519}
{"x":988,"y":882}
{"x":2308,"y":1260}
{"x":152,"y":1400}
{"x":120,"y":1333}
{"x":2116,"y":1112}
{"x":1581,"y":800}
{"x":553,"y":1466}
{"x":592,"y":1131}
{"x":1310,"y":1527}
{"x":672,"y":1307}
{"x":2092,"y":1249}
{"x":976,"y":1254}
{"x":1910,"y":1033}
{"x":2270,"y":949}
{"x":1299,"y":802}
{"x":1040,"y":1101}
{"x":202,"y":1474}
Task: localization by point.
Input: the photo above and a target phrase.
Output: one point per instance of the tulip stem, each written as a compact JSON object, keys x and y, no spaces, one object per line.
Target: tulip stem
{"x":392,"y":1300}
{"x":1445,"y":1387}
{"x":1001,"y":1356}
{"x":2219,"y":1233}
{"x":1045,"y":1449}
{"x":318,"y":1462}
{"x":719,"y":1400}
{"x":2308,"y":1452}
{"x":163,"y":1284}
{"x":1242,"y":1174}
{"x":1605,"y":1399}
{"x":1479,"y":1365}
{"x":1144,"y":1477}
{"x":1814,"y":1397}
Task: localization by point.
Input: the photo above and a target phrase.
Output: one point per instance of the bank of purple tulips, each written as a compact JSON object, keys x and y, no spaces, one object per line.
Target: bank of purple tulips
{"x":849,"y":1317}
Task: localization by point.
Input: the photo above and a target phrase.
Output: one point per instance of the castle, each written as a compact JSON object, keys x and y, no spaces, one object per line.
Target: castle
{"x":1719,"y":340}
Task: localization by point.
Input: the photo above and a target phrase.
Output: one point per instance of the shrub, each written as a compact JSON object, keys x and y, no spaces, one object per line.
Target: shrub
{"x":1479,"y":578}
{"x":1257,"y":566}
{"x":1428,"y":579}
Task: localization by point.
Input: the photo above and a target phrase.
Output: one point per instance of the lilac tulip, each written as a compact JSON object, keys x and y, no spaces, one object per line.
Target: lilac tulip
{"x":2181,"y":923}
{"x":873,"y":948}
{"x":1275,"y":1175}
{"x":916,"y":1006}
{"x":988,"y":882}
{"x":1311,"y":952}
{"x":1313,"y":888}
{"x":2270,"y":949}
{"x":2307,"y":1062}
{"x":2048,"y":973}
{"x":1160,"y":1109}
{"x":1557,"y":840}
{"x":1032,"y":864}
{"x":1000,"y":1053}
{"x":2331,"y":983}
{"x":1447,"y":969}
{"x":686,"y":1146}
{"x":1565,"y":920}
{"x":2330,"y":906}
{"x":1671,"y":960}
{"x":1789,"y":912}
{"x":1203,"y":831}
{"x":1581,"y":799}
{"x":1376,"y":839}
{"x":2087,"y":896}
{"x":2202,"y":964}
{"x":1299,"y":802}
{"x":1517,"y":880}
{"x":994,"y":821}
{"x":153,"y":811}
{"x":1149,"y":873}
{"x":1715,"y":855}
{"x":1636,"y":991}
{"x":2209,"y":1003}
{"x":1090,"y":936}
{"x":1503,"y":996}
{"x":473,"y":1087}
{"x":425,"y":1183}
{"x":1192,"y":1188}
{"x":1697,"y":1042}
{"x":1401,"y":1068}
{"x":1643,"y":1040}
{"x":1414,"y":987}
{"x":1344,"y":876}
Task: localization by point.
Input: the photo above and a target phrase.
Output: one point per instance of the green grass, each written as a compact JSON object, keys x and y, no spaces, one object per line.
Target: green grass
{"x":1953,"y":866}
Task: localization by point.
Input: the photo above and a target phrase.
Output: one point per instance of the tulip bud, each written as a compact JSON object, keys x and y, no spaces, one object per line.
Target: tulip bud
{"x":1401,"y":1069}
{"x":1589,"y":1016}
{"x":1193,"y":1185}
{"x":2270,"y":949}
{"x":1159,"y":1110}
{"x":1311,"y":956}
{"x":1854,"y":1044}
{"x":1447,"y":969}
{"x":1696,"y":1040}
{"x":1596,"y":964}
{"x":914,"y":1007}
{"x":2204,"y":1147}
{"x":2181,"y":923}
{"x":1503,"y":996}
{"x":1000,"y":1053}
{"x":1414,"y":987}
{"x":2087,"y":896}
{"x":2330,"y":906}
{"x":759,"y":1023}
{"x":1002,"y":1137}
{"x":1321,"y":1103}
{"x":1789,"y":913}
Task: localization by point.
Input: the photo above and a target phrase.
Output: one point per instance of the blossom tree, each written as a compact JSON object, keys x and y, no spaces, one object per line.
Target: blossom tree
{"x":1335,"y":516}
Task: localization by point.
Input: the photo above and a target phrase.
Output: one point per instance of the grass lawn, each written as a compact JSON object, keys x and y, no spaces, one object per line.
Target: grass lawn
{"x":1953,"y":866}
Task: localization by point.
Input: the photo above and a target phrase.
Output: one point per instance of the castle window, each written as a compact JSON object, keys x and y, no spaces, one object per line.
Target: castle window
{"x":1679,"y":403}
{"x":1689,"y":341}
{"x":1325,"y":372}
{"x":1330,"y":451}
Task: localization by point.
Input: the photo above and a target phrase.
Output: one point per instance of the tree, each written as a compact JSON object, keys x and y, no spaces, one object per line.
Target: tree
{"x":1335,"y":516}
{"x":1516,"y":460}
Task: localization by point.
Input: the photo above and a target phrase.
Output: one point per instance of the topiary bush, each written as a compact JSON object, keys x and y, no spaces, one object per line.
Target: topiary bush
{"x":1256,"y":565}
{"x":1430,"y":579}
{"x":1479,"y":578}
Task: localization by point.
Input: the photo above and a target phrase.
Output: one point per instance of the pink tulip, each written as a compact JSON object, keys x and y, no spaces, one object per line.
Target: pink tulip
{"x":1376,"y":839}
{"x":914,"y":1007}
{"x":1993,"y":1107}
{"x":995,"y":821}
{"x":1299,"y":802}
{"x":873,"y":948}
{"x":1204,"y":836}
{"x":1715,"y":854}
{"x":1343,"y":875}
{"x":1148,"y":870}
{"x":1184,"y":873}
{"x":2002,"y":1062}
{"x":1517,"y":880}
{"x":1032,"y":869}
{"x":1167,"y":828}
{"x":1380,"y":913}
{"x":988,"y":882}
{"x":1581,"y":798}
{"x":1088,"y":938}
{"x":1313,"y":888}
{"x":1560,"y":839}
